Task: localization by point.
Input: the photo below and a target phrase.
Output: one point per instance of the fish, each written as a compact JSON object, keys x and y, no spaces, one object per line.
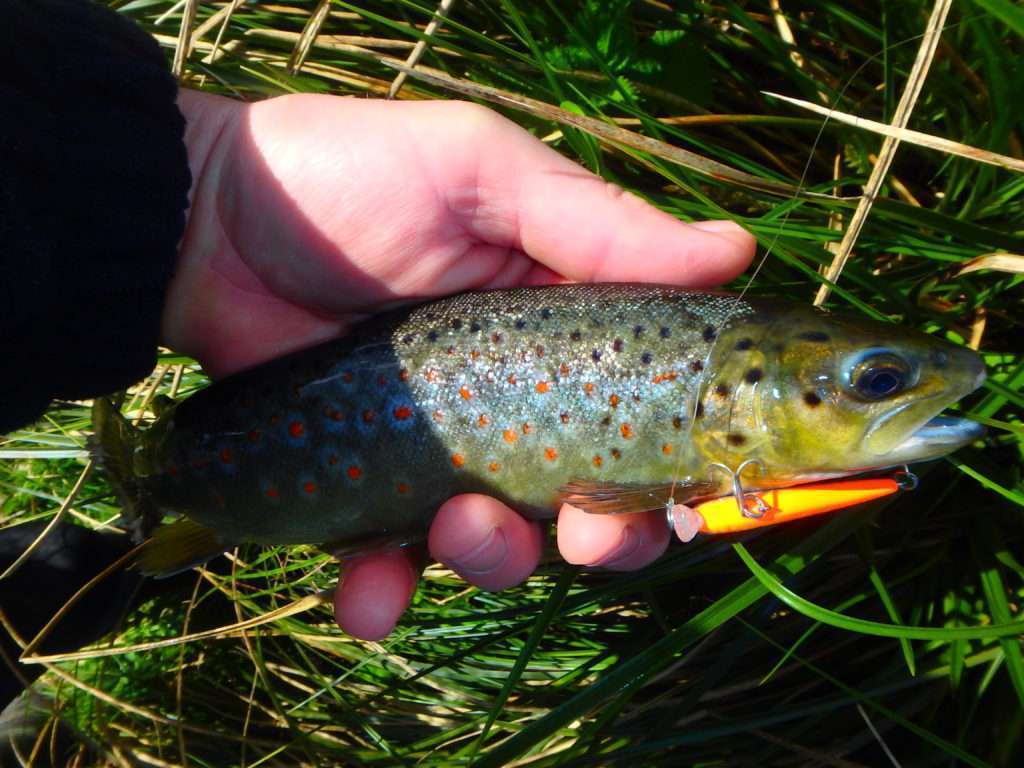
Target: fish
{"x":615,"y":398}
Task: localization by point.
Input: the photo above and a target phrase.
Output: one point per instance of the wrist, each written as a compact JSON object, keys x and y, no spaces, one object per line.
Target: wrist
{"x":210,"y":128}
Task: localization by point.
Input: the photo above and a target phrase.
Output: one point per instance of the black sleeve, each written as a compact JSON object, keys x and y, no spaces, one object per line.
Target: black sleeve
{"x":93,"y":192}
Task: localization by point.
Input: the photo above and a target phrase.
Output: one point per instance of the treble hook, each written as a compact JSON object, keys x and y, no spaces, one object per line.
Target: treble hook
{"x":905,"y":479}
{"x":737,"y":487}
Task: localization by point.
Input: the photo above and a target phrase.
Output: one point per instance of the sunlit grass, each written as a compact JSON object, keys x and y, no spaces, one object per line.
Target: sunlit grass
{"x":765,"y":652}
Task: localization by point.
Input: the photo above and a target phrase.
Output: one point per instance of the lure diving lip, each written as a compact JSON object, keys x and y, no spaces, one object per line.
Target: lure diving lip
{"x":722,"y":515}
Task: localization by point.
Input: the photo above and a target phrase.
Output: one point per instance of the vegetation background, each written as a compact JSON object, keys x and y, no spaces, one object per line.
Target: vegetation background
{"x":885,"y":634}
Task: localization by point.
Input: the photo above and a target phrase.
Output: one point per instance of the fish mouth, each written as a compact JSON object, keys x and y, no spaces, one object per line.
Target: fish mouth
{"x":937,"y":437}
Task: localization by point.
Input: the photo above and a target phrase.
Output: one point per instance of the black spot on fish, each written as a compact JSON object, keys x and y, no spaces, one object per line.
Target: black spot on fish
{"x":474,"y":327}
{"x":497,"y":338}
{"x":709,"y":334}
{"x":638,"y":331}
{"x":736,"y":439}
{"x":617,"y":345}
{"x":722,"y":389}
{"x":545,"y":314}
{"x":520,"y":324}
{"x":812,"y":399}
{"x":697,"y":366}
{"x":456,"y":324}
{"x":665,"y":332}
{"x":540,"y":350}
{"x":616,"y":453}
{"x":575,"y":335}
{"x":596,"y":355}
{"x":431,"y":316}
{"x":409,"y":338}
{"x":606,"y":421}
{"x":753,"y":376}
{"x":646,"y":358}
{"x":432,"y":336}
{"x":677,"y":422}
{"x":744,"y":344}
{"x":817,"y":336}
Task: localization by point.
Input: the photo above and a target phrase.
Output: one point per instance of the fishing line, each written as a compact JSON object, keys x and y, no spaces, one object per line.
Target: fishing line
{"x":700,"y":380}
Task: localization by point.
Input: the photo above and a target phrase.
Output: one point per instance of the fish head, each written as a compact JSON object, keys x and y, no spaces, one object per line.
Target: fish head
{"x":813,"y":395}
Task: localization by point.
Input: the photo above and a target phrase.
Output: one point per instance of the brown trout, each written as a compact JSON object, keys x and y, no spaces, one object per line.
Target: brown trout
{"x":615,"y":397}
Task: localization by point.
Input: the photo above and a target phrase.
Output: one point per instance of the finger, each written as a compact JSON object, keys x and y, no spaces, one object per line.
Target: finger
{"x":374,"y":592}
{"x":485,"y":542}
{"x":617,"y":542}
{"x":531,"y":198}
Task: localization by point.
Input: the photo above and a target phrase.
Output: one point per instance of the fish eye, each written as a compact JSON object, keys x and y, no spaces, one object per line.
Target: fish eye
{"x":880,"y":376}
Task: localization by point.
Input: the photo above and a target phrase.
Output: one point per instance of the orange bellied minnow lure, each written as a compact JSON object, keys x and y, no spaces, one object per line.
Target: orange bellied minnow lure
{"x":615,"y":398}
{"x":722,"y":515}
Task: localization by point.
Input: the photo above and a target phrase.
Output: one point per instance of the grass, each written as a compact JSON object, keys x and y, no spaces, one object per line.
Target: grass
{"x":884,"y":631}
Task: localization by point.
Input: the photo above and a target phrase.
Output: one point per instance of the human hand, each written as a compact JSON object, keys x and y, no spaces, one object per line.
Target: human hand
{"x":311,"y":212}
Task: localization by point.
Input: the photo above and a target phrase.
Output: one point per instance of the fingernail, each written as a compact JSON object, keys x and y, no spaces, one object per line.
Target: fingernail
{"x":485,"y":557}
{"x":718,"y":226}
{"x":629,"y":542}
{"x":686,"y":522}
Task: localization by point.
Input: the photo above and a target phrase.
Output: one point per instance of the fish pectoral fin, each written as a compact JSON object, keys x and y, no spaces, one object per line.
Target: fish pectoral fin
{"x":600,"y":498}
{"x":177,"y":547}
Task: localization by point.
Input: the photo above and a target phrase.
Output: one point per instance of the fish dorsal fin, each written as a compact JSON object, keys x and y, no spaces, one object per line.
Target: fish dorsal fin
{"x":177,"y":547}
{"x":601,"y":498}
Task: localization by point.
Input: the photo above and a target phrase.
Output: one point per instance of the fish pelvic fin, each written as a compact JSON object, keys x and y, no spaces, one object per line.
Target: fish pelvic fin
{"x":598,"y":498}
{"x":177,"y":547}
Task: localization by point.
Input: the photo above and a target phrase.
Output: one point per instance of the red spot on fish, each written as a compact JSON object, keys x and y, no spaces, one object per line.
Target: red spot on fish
{"x":346,"y":376}
{"x":494,"y":466}
{"x":613,"y":401}
{"x":226,"y":456}
{"x":510,"y":436}
{"x":403,"y":487}
{"x":526,"y":428}
{"x":334,"y":414}
{"x":354,"y":472}
{"x":332,"y":460}
{"x":588,"y":388}
{"x":309,"y":487}
{"x":402,"y":412}
{"x":255,"y":435}
{"x":598,"y":461}
{"x":466,"y":394}
{"x":666,"y":448}
{"x":542,"y":387}
{"x":475,"y":354}
{"x":483,"y":421}
{"x":438,"y":416}
{"x":368,"y":417}
{"x":563,"y":369}
{"x":430,"y":374}
{"x":626,"y":430}
{"x":550,"y":454}
{"x":458,"y":460}
{"x":511,"y":379}
{"x":403,"y":375}
{"x":271,"y":493}
{"x":296,"y":429}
